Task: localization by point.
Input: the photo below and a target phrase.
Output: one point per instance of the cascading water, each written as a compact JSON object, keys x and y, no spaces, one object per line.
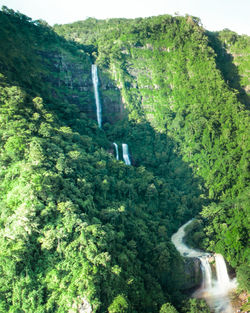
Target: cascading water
{"x":116,"y":150}
{"x":97,"y":98}
{"x":99,"y":115}
{"x":206,"y":273}
{"x":125,"y":154}
{"x":223,"y":280}
{"x":214,"y":291}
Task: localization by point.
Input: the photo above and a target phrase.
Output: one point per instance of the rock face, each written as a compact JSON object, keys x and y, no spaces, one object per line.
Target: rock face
{"x":83,"y":307}
{"x":192,"y":272}
{"x":70,"y":78}
{"x":112,"y":104}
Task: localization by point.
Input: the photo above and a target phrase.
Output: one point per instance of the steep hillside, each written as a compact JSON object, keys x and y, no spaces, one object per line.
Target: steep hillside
{"x":182,"y":80}
{"x":79,"y":228}
{"x":233,"y":59}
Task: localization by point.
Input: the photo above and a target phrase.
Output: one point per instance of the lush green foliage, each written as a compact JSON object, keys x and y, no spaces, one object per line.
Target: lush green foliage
{"x":168,"y":308}
{"x":186,"y":83}
{"x":78,"y":225}
{"x":233,"y":59}
{"x":75,"y":223}
{"x":196,"y":306}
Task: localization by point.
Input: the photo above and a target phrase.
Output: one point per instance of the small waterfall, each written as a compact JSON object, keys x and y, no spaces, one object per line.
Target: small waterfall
{"x":223,"y":279}
{"x":206,"y":273}
{"x":97,"y":98}
{"x":116,"y":150}
{"x":214,"y":291}
{"x":125,"y":154}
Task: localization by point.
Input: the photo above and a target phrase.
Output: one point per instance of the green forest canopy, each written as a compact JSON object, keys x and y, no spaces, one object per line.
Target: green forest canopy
{"x":75,"y":222}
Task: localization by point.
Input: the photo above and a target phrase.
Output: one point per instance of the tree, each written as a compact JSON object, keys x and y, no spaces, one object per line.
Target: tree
{"x":119,"y":305}
{"x":196,"y":306}
{"x":168,"y":308}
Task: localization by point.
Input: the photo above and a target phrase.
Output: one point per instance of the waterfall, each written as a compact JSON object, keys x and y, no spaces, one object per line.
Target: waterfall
{"x":223,"y":280}
{"x":125,"y":154}
{"x":97,"y":98}
{"x":213,"y":290}
{"x":206,"y":273}
{"x":116,"y":150}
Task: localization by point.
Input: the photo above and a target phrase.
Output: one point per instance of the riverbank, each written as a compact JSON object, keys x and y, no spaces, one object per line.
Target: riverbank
{"x":240,"y":302}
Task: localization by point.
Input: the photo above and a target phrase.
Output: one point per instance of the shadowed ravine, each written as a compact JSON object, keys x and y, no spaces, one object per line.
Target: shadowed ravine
{"x":215,"y":290}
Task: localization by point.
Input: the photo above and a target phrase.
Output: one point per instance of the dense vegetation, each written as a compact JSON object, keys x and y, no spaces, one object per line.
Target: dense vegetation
{"x":78,"y":226}
{"x":194,"y":86}
{"x":233,"y":59}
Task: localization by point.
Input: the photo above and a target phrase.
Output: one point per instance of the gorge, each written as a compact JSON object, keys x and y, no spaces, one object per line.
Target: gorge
{"x":80,"y":228}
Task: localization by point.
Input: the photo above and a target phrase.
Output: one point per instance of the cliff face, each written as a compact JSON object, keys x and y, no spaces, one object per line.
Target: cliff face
{"x":112,"y":105}
{"x":70,"y":79}
{"x":193,"y":275}
{"x":233,"y":59}
{"x":56,"y":69}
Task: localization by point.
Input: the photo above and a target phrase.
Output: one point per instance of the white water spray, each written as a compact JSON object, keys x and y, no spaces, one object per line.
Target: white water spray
{"x":97,"y":98}
{"x":206,"y":273}
{"x":125,"y":154}
{"x":116,"y":150}
{"x":213,"y":290}
{"x":223,"y":280}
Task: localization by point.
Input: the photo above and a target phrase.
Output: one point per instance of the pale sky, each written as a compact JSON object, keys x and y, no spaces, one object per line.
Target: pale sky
{"x":214,"y":14}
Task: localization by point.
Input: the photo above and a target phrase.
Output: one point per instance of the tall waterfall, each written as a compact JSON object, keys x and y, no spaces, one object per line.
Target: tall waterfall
{"x":125,"y":154}
{"x":214,"y":289}
{"x":116,"y":150}
{"x":97,"y":98}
